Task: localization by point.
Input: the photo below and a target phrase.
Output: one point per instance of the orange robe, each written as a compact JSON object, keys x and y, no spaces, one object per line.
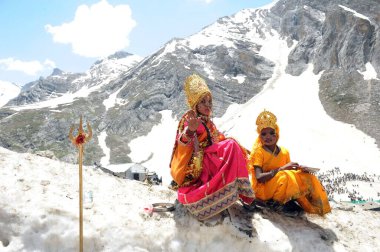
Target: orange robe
{"x":288,"y":184}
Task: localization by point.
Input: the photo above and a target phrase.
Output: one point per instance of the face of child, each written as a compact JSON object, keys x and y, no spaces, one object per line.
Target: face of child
{"x":204,"y":106}
{"x":268,"y":136}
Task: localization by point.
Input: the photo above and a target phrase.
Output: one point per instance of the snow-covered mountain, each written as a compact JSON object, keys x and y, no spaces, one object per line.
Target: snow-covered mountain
{"x":312,"y":62}
{"x":62,"y":87}
{"x":8,"y":91}
{"x":315,"y":64}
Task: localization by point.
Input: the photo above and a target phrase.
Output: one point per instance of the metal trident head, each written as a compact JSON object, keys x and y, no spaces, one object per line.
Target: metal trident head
{"x":82,"y":137}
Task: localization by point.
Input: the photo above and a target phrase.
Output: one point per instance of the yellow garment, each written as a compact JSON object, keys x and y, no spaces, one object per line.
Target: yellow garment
{"x":288,"y":184}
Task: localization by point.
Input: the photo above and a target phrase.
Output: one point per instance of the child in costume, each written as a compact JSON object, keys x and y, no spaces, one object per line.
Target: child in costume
{"x":210,"y":171}
{"x":276,"y":179}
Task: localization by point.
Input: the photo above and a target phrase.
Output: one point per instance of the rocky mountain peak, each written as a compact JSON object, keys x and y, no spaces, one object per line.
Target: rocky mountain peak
{"x":56,"y":71}
{"x":115,"y":56}
{"x":126,"y":94}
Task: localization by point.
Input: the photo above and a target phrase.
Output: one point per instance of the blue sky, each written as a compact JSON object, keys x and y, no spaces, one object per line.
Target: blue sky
{"x":39,"y":35}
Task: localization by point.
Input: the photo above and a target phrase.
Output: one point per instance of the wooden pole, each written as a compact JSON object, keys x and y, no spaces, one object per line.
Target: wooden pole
{"x":80,"y":199}
{"x":81,"y":139}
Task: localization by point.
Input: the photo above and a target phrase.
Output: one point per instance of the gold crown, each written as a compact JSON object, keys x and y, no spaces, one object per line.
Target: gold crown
{"x":266,"y":119}
{"x":195,"y":88}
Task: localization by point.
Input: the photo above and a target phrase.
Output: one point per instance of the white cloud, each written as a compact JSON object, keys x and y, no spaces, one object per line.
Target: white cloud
{"x":28,"y":67}
{"x":97,"y":30}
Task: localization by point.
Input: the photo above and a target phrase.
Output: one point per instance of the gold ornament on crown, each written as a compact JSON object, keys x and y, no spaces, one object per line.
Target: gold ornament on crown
{"x":195,"y":88}
{"x":266,"y":119}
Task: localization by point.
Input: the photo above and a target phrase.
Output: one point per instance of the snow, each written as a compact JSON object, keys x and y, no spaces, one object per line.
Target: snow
{"x":118,"y":66}
{"x":220,"y":33}
{"x":39,"y":212}
{"x":209,"y":72}
{"x":55,"y":102}
{"x":105,"y":72}
{"x":270,"y":5}
{"x":104,"y":161}
{"x":305,"y":127}
{"x":112,"y":100}
{"x":154,"y":150}
{"x":354,"y":12}
{"x":240,"y":78}
{"x":243,"y":16}
{"x":169,"y":48}
{"x":8,"y":91}
{"x":369,"y":73}
{"x":208,"y":35}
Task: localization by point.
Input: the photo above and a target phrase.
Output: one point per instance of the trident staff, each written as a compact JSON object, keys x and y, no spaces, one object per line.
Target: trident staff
{"x":79,"y":141}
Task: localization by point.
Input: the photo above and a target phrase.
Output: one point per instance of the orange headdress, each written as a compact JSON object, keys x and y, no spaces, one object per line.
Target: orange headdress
{"x":195,"y":88}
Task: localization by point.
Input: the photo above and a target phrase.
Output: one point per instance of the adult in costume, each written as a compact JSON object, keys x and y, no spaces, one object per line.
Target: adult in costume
{"x":276,"y":179}
{"x":210,"y":171}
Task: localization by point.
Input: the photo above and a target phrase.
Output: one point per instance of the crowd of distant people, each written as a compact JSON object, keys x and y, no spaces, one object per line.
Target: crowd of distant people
{"x":335,"y":183}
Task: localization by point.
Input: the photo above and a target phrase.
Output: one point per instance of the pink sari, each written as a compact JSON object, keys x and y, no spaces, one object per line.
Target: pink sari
{"x":224,"y":179}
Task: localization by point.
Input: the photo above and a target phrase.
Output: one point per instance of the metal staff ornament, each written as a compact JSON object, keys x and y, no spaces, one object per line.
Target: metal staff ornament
{"x":79,"y":141}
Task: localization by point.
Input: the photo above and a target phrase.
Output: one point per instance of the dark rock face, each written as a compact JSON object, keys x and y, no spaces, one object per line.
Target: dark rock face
{"x":44,"y":89}
{"x":339,"y":38}
{"x":333,"y":39}
{"x":349,"y":98}
{"x":144,"y":90}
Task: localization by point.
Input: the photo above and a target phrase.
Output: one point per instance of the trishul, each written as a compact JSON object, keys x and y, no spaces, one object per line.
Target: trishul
{"x":81,"y":139}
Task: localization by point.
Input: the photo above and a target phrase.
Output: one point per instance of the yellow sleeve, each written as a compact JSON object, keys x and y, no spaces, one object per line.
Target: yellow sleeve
{"x":256,"y":158}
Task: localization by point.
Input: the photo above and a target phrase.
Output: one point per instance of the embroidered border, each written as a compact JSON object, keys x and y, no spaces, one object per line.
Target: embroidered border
{"x":220,"y":200}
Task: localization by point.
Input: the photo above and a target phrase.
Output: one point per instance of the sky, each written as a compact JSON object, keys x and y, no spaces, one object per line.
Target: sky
{"x":38,"y":36}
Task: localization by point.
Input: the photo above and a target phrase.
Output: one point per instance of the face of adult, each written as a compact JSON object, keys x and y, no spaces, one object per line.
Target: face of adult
{"x":268,"y":136}
{"x":204,"y":106}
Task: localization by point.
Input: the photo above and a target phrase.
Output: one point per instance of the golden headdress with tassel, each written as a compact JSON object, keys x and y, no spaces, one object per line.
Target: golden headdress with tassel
{"x":266,"y":119}
{"x":195,"y":88}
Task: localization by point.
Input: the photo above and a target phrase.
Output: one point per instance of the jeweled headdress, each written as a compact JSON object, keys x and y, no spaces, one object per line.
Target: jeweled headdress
{"x":195,"y":88}
{"x":266,"y":119}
